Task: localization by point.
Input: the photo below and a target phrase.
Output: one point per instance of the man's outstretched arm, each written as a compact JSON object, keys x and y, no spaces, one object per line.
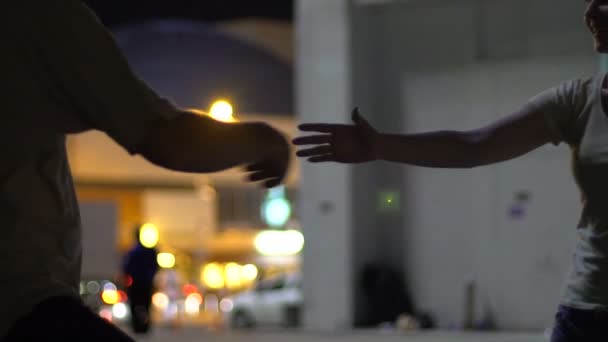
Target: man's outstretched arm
{"x":92,"y":78}
{"x":195,"y":143}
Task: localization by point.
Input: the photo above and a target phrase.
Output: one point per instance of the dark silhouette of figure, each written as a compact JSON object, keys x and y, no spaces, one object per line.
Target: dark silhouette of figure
{"x":572,"y":112}
{"x":62,"y":73}
{"x":386,"y":295}
{"x":140,"y":266}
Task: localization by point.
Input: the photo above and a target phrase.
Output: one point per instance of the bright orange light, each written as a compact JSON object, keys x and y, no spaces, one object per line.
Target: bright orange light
{"x":123,"y":296}
{"x":188,"y":289}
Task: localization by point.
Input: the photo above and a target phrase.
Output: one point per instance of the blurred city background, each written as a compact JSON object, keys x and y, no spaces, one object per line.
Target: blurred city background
{"x":379,"y":249}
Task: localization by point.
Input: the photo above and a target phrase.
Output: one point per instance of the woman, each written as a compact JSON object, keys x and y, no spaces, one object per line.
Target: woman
{"x":574,"y":112}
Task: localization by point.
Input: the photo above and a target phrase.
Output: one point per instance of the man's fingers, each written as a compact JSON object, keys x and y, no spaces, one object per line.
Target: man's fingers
{"x":360,"y":121}
{"x":257,"y":166}
{"x":260,"y":175}
{"x":319,"y":150}
{"x":321,"y":159}
{"x":272,"y":183}
{"x":356,"y":117}
{"x":313,"y":140}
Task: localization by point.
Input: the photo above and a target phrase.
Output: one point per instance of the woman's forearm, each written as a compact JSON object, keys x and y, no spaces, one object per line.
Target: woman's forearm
{"x":440,"y":149}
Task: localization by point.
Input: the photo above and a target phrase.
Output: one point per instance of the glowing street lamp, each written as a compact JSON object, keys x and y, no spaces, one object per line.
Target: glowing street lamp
{"x":222,"y":110}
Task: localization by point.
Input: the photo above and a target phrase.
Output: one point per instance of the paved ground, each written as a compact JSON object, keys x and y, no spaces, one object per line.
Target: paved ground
{"x":191,"y":334}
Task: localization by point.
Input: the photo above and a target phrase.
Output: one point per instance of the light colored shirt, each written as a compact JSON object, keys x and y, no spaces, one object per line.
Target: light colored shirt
{"x":575,"y":112}
{"x":61,"y":73}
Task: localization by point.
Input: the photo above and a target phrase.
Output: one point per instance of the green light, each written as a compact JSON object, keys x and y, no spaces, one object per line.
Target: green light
{"x":276,"y":209}
{"x":277,"y":212}
{"x":388,"y":200}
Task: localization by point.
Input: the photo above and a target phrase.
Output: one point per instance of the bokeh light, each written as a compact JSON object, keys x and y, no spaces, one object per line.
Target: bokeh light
{"x":160,"y":300}
{"x":110,"y":294}
{"x":249,"y":272}
{"x":277,"y":212}
{"x":189,"y":288}
{"x":222,"y":110}
{"x":106,"y":314}
{"x":165,"y":260}
{"x":279,"y":243}
{"x":93,"y":287}
{"x":148,"y":235}
{"x":233,"y":275}
{"x":193,"y":303}
{"x":212,"y":276}
{"x":119,"y":310}
{"x":226,"y":305}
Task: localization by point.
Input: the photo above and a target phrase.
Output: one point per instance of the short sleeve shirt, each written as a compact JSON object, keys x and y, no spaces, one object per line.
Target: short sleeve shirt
{"x":575,"y":112}
{"x":62,"y":73}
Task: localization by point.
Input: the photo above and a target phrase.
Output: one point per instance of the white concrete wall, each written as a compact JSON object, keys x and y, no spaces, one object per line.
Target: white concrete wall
{"x":459,"y":224}
{"x":457,"y":65}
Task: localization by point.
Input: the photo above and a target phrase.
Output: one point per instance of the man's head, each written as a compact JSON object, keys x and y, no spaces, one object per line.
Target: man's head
{"x":596,"y":19}
{"x":136,"y":233}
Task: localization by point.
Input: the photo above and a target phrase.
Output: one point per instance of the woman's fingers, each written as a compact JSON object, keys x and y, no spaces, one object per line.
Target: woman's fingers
{"x":319,"y":150}
{"x":313,"y":140}
{"x":322,"y":158}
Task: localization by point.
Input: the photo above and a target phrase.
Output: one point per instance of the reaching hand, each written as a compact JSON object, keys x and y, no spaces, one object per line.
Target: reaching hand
{"x":272,"y":168}
{"x":339,"y":143}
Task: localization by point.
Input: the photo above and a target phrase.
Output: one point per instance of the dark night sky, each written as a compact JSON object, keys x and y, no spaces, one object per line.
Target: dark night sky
{"x":116,"y":12}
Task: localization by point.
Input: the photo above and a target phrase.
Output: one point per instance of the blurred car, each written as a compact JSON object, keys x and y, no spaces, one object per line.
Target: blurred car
{"x":274,"y":301}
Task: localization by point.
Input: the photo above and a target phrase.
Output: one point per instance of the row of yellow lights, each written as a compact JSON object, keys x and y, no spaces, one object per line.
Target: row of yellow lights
{"x":268,"y":243}
{"x":193,"y":302}
{"x":230,"y":275}
{"x":214,"y":275}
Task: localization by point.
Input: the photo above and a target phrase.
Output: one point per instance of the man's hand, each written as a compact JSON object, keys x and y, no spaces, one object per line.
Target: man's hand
{"x":271,"y":170}
{"x":199,"y":144}
{"x":339,"y":143}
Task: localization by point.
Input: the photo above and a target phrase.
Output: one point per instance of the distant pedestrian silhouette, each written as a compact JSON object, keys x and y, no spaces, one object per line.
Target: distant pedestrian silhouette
{"x":140,"y":266}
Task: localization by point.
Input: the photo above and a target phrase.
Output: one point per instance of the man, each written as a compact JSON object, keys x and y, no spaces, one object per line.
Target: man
{"x":63,"y":73}
{"x":140,"y":266}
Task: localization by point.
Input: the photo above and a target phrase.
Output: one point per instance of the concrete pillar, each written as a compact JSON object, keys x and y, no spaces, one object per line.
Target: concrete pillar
{"x":323,"y":72}
{"x":603,"y":62}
